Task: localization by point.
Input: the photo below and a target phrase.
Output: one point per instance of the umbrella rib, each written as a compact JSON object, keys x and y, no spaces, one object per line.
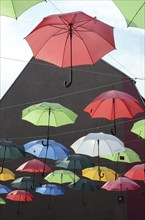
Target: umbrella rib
{"x":64,"y":49}
{"x":136,"y":14}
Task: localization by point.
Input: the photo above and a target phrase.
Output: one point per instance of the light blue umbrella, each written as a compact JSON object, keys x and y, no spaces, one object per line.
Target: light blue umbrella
{"x":51,"y":190}
{"x":54,"y":151}
{"x":4,"y":189}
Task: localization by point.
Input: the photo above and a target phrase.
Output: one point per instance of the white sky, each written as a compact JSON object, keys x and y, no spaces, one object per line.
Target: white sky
{"x":130,"y":42}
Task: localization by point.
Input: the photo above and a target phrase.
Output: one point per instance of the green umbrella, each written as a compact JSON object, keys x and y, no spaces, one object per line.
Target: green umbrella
{"x":14,"y":8}
{"x":25,"y":182}
{"x":139,"y":128}
{"x":61,"y":176}
{"x":127,"y":156}
{"x":2,"y":201}
{"x":133,"y":11}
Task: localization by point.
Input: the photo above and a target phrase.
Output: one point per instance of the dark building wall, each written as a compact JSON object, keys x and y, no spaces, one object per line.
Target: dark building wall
{"x":39,"y":82}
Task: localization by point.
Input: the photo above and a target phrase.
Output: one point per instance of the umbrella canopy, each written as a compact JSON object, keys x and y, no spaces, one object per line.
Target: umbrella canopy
{"x":127,"y":156}
{"x":55,"y":150}
{"x":14,"y":8}
{"x":139,"y":128}
{"x":74,"y":161}
{"x":25,"y":182}
{"x":34,"y":166}
{"x":48,"y":114}
{"x":61,"y":176}
{"x":121,"y":184}
{"x":6,"y":175}
{"x":2,"y":201}
{"x":50,"y":189}
{"x":93,"y":173}
{"x":4,"y":189}
{"x":96,"y":144}
{"x":137,"y":172}
{"x":20,"y":195}
{"x":112,"y":105}
{"x":133,"y":12}
{"x":81,"y":40}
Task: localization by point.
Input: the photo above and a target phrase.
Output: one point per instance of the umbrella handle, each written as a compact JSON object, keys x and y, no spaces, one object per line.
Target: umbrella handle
{"x":68,"y":83}
{"x":44,"y":144}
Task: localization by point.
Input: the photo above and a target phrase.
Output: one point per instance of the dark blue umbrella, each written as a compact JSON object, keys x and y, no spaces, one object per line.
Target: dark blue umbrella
{"x":25,"y":182}
{"x":39,"y":148}
{"x":51,"y":190}
{"x":4,"y":189}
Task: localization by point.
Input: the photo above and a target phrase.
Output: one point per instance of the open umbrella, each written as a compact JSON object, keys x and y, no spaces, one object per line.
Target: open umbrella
{"x":133,"y":12}
{"x":139,"y":128}
{"x":121,"y":184}
{"x":137,"y":172}
{"x":9,"y":150}
{"x":112,"y":105}
{"x":25,"y":182}
{"x":51,"y":190}
{"x":4,"y":189}
{"x":71,"y":39}
{"x":83,"y":185}
{"x":55,"y":150}
{"x":6,"y":175}
{"x":2,"y":201}
{"x":14,"y":8}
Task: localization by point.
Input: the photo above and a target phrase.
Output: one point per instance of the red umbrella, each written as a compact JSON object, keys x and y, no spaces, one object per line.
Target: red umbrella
{"x":71,"y":39}
{"x":112,"y":105}
{"x":137,"y":172}
{"x":34,"y":166}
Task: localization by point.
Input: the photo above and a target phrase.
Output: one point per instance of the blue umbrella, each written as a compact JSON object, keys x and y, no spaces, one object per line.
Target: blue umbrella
{"x":51,"y":190}
{"x":39,"y":148}
{"x":4,"y":189}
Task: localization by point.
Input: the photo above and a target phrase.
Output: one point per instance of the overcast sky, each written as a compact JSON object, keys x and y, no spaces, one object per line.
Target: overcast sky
{"x":15,"y":52}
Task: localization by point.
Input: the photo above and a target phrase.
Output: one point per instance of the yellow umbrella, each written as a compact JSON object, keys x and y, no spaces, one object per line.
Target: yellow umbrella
{"x":6,"y":175}
{"x":93,"y":173}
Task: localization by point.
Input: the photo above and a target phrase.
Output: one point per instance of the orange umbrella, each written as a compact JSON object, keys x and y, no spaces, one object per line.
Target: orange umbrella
{"x":137,"y":172}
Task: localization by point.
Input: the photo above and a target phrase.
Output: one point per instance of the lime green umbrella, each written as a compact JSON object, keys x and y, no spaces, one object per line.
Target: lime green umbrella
{"x":133,"y":11}
{"x":139,"y":128}
{"x":61,"y":176}
{"x":14,"y":8}
{"x":127,"y":156}
{"x":2,"y":201}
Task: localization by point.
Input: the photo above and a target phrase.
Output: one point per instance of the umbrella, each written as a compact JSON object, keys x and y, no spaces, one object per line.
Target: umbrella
{"x":14,"y":8}
{"x":112,"y":105}
{"x":139,"y":128}
{"x":4,"y":189}
{"x":9,"y":150}
{"x":137,"y":172}
{"x":93,"y":174}
{"x":51,"y":190}
{"x":6,"y":175}
{"x":133,"y":12}
{"x":25,"y":182}
{"x":121,"y":184}
{"x":71,"y":39}
{"x":2,"y":201}
{"x":61,"y":176}
{"x":83,"y":185}
{"x":55,"y":150}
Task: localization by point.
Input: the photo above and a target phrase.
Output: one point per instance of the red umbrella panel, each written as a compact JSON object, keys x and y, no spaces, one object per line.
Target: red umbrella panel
{"x":112,"y":105}
{"x":71,"y":39}
{"x":137,"y":172}
{"x":20,"y":196}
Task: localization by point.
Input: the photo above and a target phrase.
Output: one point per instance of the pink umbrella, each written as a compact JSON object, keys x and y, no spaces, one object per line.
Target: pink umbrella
{"x":137,"y":172}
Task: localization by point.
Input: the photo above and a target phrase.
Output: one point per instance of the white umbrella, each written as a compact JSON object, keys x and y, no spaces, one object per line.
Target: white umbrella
{"x":97,"y":144}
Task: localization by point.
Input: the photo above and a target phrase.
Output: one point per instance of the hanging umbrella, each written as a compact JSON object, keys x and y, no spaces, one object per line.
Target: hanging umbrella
{"x":25,"y":182}
{"x":6,"y":175}
{"x":61,"y":176}
{"x":121,"y":184}
{"x":112,"y":105}
{"x":9,"y":150}
{"x":2,"y":201}
{"x":55,"y":150}
{"x":4,"y":189}
{"x":83,"y":185}
{"x":139,"y":128}
{"x":14,"y":8}
{"x":133,"y":12}
{"x":51,"y":190}
{"x":71,"y":39}
{"x":137,"y":172}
